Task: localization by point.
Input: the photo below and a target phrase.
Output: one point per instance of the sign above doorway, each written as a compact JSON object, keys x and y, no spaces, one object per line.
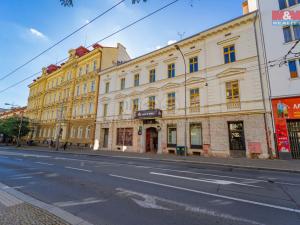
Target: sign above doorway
{"x":146,"y":114}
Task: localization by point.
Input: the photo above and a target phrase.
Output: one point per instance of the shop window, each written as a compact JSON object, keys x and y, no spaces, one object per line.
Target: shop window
{"x":196,"y":136}
{"x":124,"y":136}
{"x":172,"y":136}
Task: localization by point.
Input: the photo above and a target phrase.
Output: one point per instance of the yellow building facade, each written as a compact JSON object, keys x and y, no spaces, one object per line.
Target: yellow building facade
{"x":63,"y":100}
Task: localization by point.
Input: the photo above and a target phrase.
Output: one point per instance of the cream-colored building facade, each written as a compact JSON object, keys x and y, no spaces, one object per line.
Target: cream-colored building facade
{"x":63,"y":100}
{"x":143,"y":106}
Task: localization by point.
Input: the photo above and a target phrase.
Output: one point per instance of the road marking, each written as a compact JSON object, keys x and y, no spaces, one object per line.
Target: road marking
{"x":43,"y":163}
{"x":5,"y":157}
{"x":154,"y":202}
{"x":26,"y":174}
{"x":210,"y":194}
{"x":20,"y":178}
{"x":74,"y":168}
{"x":74,"y":203}
{"x":219,"y":182}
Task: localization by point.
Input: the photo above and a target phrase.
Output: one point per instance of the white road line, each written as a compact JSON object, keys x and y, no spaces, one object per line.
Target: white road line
{"x":43,"y":163}
{"x":73,"y":203}
{"x":20,"y":178}
{"x":219,"y":182}
{"x":5,"y":157}
{"x":27,"y":174}
{"x":74,"y":168}
{"x":211,"y":194}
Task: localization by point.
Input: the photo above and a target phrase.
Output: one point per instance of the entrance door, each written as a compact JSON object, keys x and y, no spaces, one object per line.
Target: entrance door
{"x":105,"y":137}
{"x":294,"y":137}
{"x":151,"y":140}
{"x":237,"y":139}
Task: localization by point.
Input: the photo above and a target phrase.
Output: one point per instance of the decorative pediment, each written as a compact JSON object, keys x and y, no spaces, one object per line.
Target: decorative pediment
{"x":195,"y":80}
{"x":170,"y":86}
{"x":119,"y":96}
{"x":192,"y":53}
{"x":104,"y":99}
{"x":134,"y":93}
{"x":152,"y":66}
{"x":151,"y":90}
{"x":231,"y":72}
{"x":170,"y":60}
{"x":228,"y":41}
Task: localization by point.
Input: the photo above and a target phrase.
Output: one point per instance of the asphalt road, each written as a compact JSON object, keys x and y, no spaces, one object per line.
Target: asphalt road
{"x":111,"y":190}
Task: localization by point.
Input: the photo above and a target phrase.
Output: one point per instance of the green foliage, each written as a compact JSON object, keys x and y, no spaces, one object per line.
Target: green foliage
{"x":10,"y":127}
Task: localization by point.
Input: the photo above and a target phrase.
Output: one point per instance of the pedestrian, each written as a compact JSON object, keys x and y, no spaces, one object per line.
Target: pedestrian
{"x":65,"y":146}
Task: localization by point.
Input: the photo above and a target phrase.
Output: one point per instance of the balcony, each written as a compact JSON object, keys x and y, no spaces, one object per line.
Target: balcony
{"x":233,"y":104}
{"x":194,"y":109}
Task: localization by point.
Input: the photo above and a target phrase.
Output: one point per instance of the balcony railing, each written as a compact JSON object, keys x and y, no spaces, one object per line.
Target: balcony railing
{"x":233,"y":104}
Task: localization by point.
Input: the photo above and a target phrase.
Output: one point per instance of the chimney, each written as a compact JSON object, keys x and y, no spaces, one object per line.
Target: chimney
{"x":245,"y":7}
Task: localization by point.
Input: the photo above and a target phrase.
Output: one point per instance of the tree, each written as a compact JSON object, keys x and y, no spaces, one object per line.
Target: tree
{"x":10,"y":127}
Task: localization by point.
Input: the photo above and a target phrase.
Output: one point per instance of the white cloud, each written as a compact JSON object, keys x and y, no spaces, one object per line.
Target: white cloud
{"x":37,"y":33}
{"x":157,"y":47}
{"x":171,"y":42}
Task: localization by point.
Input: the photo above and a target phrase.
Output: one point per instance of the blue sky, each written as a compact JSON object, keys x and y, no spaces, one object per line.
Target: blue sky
{"x":28,"y":27}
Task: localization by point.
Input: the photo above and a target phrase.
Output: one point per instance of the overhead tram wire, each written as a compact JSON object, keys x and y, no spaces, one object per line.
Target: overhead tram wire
{"x":60,"y":41}
{"x":112,"y":34}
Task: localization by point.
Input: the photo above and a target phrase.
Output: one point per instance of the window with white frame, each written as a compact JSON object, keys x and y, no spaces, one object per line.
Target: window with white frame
{"x":87,"y":132}
{"x":80,"y":131}
{"x":92,"y":86}
{"x":294,"y":66}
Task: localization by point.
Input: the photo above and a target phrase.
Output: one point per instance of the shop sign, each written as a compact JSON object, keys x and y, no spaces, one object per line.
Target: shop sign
{"x":283,"y":109}
{"x":148,"y":114}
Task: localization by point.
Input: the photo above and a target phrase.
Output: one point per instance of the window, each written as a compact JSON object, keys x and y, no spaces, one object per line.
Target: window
{"x":80,"y":72}
{"x":73,"y":132}
{"x":232,"y":91}
{"x":95,"y":65}
{"x":193,"y":64}
{"x":77,"y":90}
{"x":121,"y":108}
{"x":82,"y":109}
{"x":87,"y":132}
{"x":172,"y":136}
{"x":84,"y":88}
{"x":91,"y":107}
{"x":236,"y":135}
{"x":135,"y":105}
{"x":291,"y":33}
{"x":171,"y":70}
{"x":80,"y":132}
{"x":151,"y":102}
{"x":106,"y":87}
{"x":124,"y":136}
{"x":195,"y":100}
{"x":229,"y":54}
{"x":123,"y":83}
{"x":287,"y":3}
{"x":196,"y":135}
{"x":87,"y":68}
{"x":293,"y":69}
{"x":136,"y":80}
{"x":92,"y":86}
{"x":171,"y":101}
{"x":105,"y":110}
{"x":152,"y":76}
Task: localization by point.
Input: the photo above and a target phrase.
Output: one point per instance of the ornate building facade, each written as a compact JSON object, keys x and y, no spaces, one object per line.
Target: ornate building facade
{"x":204,"y":93}
{"x":63,"y":100}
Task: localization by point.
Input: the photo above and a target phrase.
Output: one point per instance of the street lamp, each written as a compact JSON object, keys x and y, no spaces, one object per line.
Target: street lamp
{"x":21,"y":122}
{"x":185,"y":107}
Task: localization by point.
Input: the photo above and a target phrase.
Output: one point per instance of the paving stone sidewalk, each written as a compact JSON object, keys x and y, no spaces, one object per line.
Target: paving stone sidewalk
{"x":262,"y":164}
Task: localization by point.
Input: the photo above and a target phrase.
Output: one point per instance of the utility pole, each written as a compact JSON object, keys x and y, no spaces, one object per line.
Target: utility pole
{"x":20,"y":127}
{"x":58,"y":133}
{"x":185,"y":105}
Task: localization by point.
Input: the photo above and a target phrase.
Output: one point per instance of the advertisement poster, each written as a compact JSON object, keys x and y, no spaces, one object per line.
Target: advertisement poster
{"x":284,"y":109}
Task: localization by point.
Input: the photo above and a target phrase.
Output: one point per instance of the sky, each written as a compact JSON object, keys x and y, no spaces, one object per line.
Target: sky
{"x":31,"y":26}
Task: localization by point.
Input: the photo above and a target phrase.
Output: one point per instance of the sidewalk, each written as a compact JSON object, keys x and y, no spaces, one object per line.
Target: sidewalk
{"x":17,"y":208}
{"x":260,"y":164}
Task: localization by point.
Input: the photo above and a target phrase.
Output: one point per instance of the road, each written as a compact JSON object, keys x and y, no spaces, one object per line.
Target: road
{"x":111,"y":190}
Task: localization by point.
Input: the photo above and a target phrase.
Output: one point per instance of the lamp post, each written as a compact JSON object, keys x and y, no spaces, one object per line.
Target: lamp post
{"x":21,"y":122}
{"x":185,"y":107}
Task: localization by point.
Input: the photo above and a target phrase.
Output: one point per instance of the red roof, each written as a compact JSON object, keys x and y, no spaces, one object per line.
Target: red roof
{"x":80,"y":51}
{"x":96,"y":45}
{"x":52,"y":68}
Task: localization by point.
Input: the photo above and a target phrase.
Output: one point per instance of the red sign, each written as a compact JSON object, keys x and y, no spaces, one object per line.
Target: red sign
{"x":285,"y":17}
{"x":283,"y":109}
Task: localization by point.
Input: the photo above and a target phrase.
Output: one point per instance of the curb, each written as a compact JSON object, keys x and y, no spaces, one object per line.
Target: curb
{"x":64,"y":215}
{"x":169,"y":160}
